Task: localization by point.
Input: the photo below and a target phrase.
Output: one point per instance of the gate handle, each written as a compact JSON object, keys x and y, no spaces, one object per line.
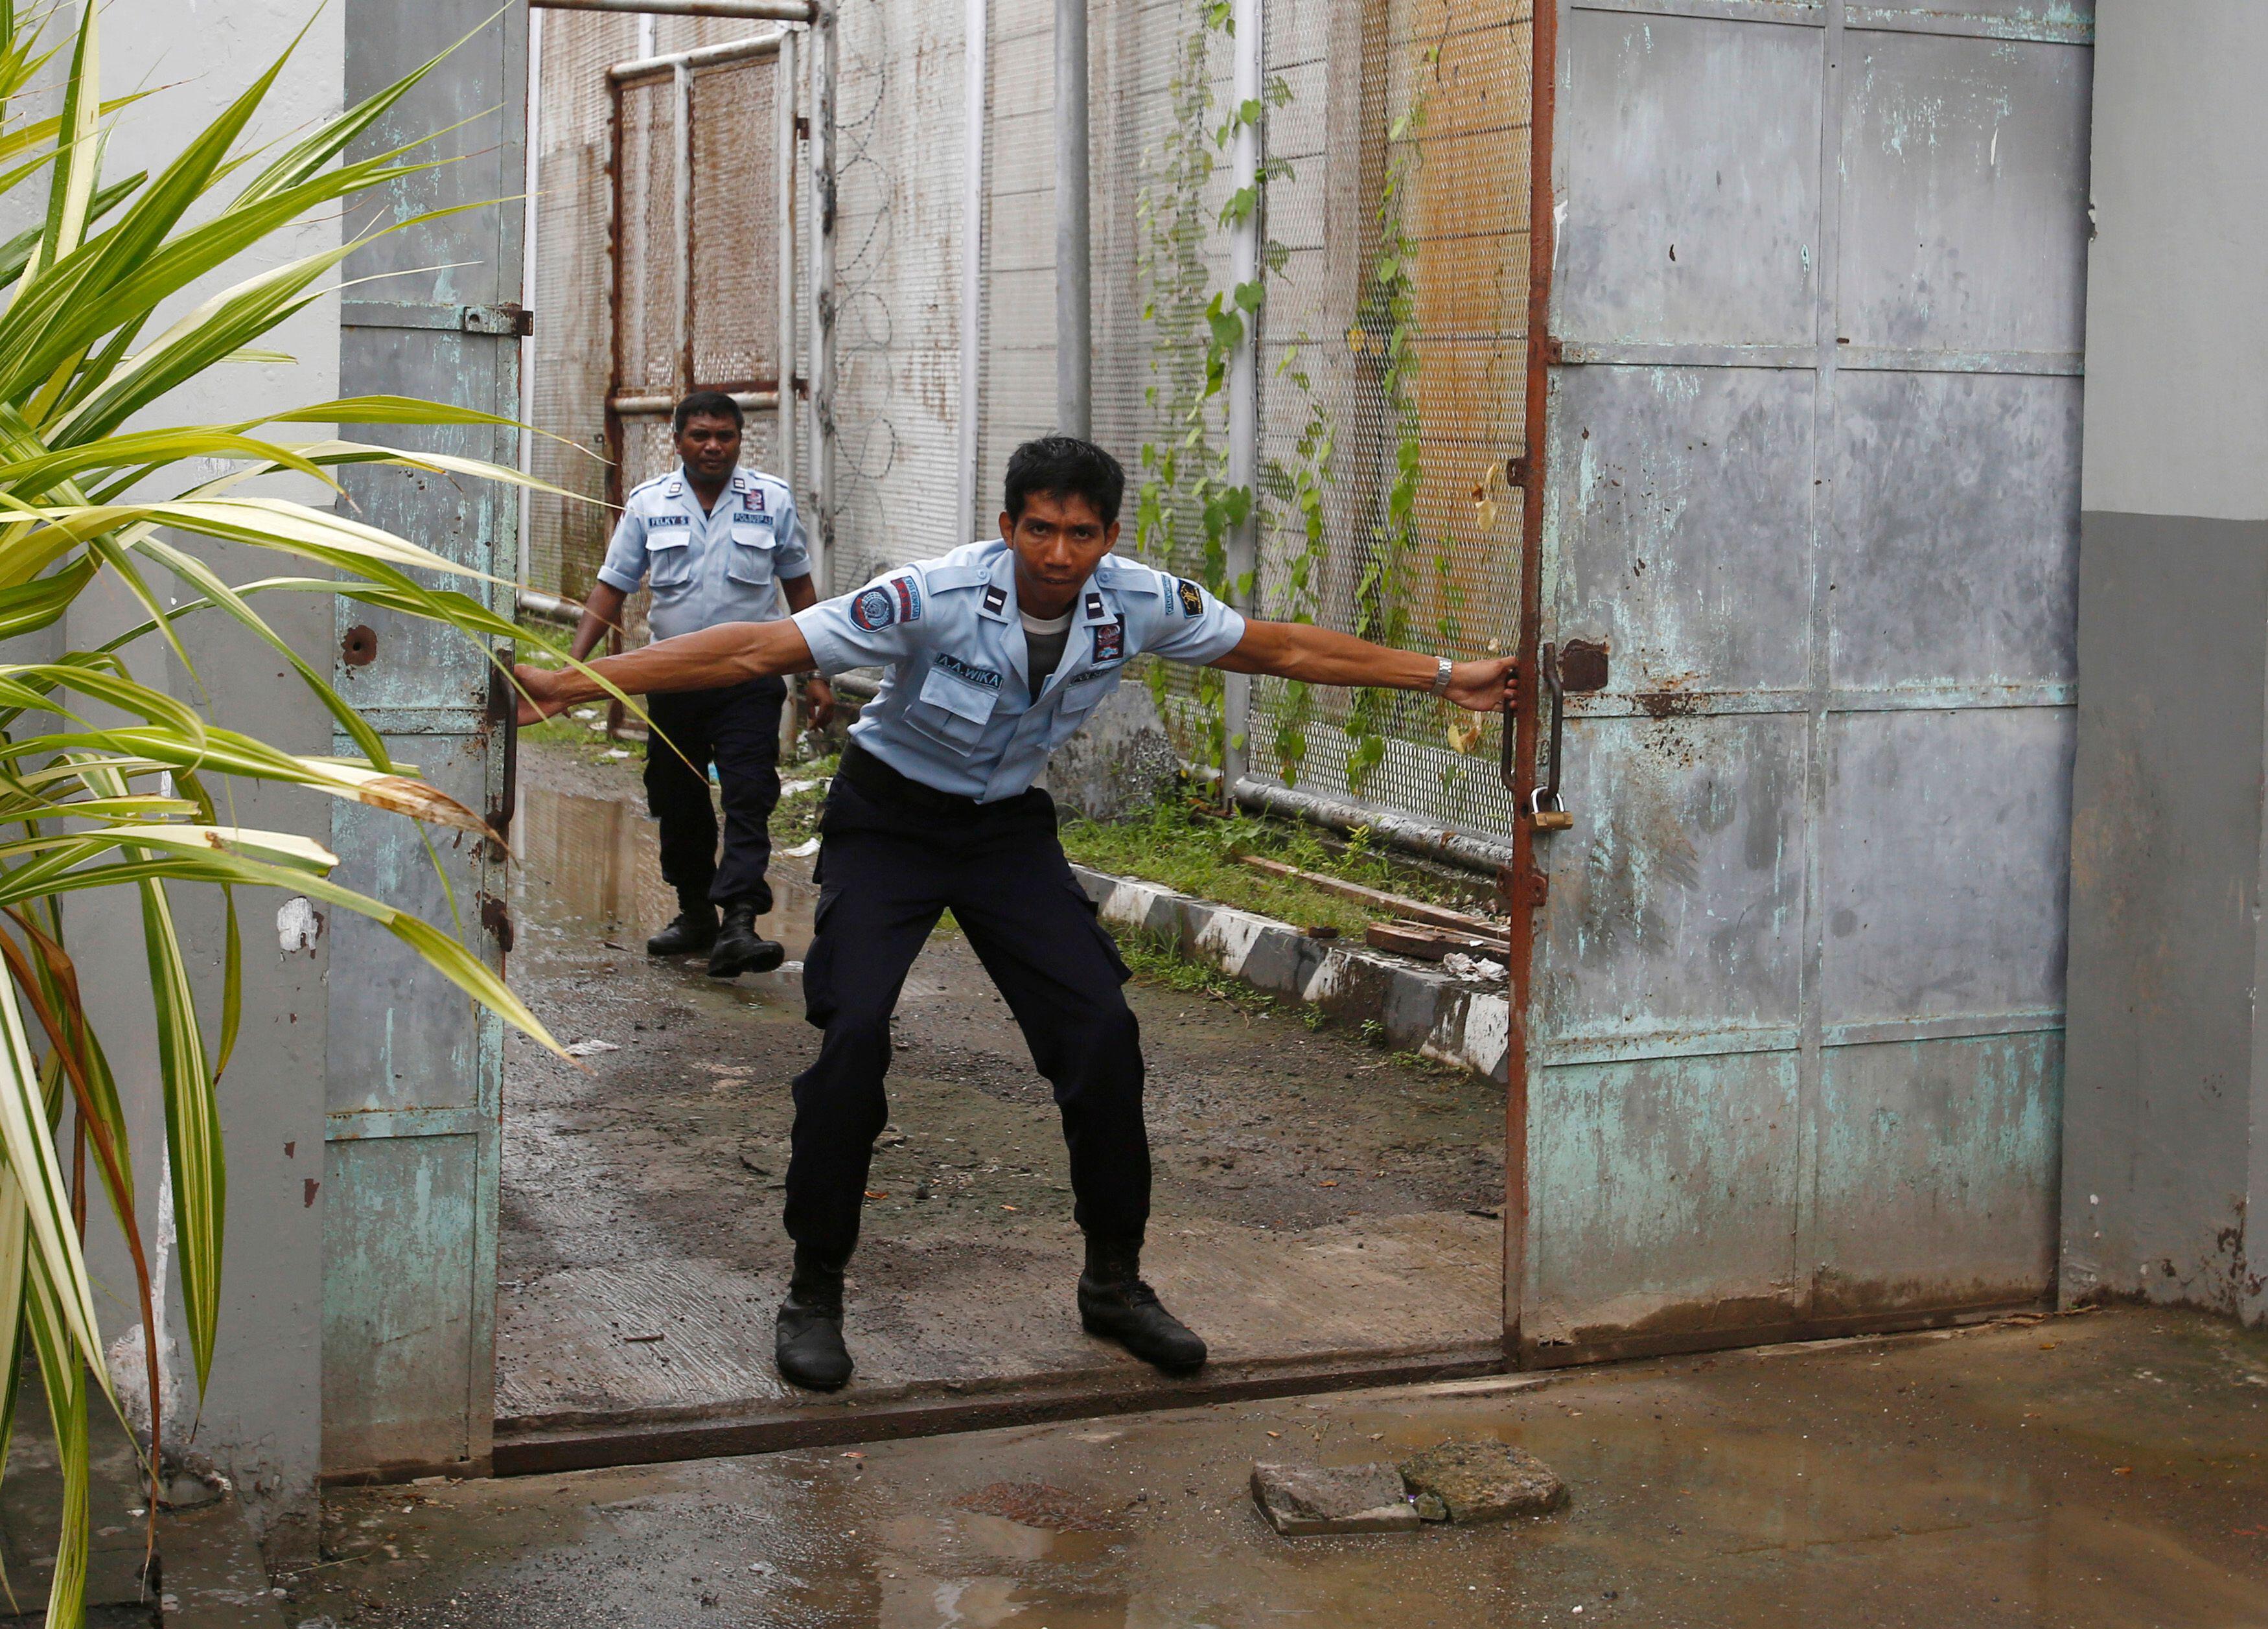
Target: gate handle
{"x":1545,"y":808}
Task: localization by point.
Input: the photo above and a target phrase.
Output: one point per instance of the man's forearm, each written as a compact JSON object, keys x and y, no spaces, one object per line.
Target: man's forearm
{"x":728,"y":653}
{"x":602,"y":613}
{"x":1319,"y":656}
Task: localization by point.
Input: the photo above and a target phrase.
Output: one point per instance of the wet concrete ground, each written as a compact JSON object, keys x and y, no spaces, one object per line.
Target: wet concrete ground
{"x":2106,"y":1468}
{"x":1314,"y":1198}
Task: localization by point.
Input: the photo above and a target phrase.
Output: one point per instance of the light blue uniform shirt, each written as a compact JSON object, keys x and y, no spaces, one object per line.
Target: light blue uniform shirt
{"x":956,"y":711}
{"x":723,"y":566}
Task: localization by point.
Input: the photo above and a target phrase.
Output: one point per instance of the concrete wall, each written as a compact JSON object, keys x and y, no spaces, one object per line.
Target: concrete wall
{"x":260,"y":1422}
{"x":2166,"y":1132}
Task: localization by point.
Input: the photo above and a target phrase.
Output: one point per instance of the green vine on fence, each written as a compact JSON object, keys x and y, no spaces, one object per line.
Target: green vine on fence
{"x":1187,"y":505}
{"x":1388,"y":330}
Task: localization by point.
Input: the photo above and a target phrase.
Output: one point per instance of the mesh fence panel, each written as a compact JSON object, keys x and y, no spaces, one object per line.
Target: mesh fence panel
{"x":1393,"y":334}
{"x":735,"y":261}
{"x":572,"y":296}
{"x":899,"y":122}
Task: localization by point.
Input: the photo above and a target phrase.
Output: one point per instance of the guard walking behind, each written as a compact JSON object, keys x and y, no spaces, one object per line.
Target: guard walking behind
{"x":721,"y":544}
{"x":994,"y":655}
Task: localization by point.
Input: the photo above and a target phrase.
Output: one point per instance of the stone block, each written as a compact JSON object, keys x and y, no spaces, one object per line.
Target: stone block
{"x":1304,"y":1500}
{"x":1483,"y":1481}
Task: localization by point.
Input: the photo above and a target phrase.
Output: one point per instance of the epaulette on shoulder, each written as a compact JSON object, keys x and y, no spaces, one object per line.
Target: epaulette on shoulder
{"x":951,"y":575}
{"x":1128,"y":577}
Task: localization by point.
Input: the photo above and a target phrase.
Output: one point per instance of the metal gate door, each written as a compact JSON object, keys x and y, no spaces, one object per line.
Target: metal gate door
{"x":704,"y":144}
{"x":1795,"y":1024}
{"x":410,"y":1192}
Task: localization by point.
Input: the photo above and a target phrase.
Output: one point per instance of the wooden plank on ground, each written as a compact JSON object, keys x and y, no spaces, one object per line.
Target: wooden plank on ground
{"x":1378,"y":899}
{"x":1429,"y":943}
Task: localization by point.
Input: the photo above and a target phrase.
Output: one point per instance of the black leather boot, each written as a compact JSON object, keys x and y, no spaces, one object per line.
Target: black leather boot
{"x":738,"y":950}
{"x":692,"y":934}
{"x":808,"y":1343}
{"x":1115,"y":1304}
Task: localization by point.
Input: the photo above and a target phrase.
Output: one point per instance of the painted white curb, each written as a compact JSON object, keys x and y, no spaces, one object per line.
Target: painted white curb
{"x":1423,"y":1010}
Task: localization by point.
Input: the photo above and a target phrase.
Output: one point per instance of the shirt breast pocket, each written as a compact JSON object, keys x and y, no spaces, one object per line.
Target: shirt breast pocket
{"x":751,"y":559}
{"x":1075,"y":705}
{"x":953,"y":710}
{"x":669,"y":561}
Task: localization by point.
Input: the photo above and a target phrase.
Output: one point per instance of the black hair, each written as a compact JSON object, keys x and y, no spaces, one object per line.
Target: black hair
{"x":705,"y":404}
{"x":1065,"y":467}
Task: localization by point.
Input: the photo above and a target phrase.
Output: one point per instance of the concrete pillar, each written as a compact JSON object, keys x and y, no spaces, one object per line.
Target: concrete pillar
{"x":2166,"y":1109}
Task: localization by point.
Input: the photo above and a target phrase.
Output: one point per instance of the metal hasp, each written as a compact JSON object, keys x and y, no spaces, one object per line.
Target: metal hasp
{"x":414,"y":1070}
{"x":1792,"y":1040}
{"x":1545,"y":810}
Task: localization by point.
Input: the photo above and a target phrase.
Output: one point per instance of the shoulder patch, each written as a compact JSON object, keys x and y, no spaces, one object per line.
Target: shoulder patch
{"x":874,"y":608}
{"x":893,"y":600}
{"x":1191,"y":596}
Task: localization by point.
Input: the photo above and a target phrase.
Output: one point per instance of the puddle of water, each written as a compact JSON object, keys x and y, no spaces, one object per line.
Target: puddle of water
{"x":597,"y":861}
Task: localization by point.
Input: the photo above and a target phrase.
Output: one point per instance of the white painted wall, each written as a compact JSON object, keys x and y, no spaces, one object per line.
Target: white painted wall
{"x":2177,"y":330}
{"x":261,"y":1420}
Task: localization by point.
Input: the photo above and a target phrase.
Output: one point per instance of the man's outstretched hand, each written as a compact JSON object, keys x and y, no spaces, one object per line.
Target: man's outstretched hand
{"x":1486,"y":687}
{"x":538,"y":693}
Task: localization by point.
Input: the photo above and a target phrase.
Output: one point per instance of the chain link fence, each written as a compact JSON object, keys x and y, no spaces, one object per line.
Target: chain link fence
{"x":1391,"y":218}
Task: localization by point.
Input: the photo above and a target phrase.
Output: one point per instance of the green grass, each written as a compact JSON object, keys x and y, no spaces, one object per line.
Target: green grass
{"x":1196,"y":853}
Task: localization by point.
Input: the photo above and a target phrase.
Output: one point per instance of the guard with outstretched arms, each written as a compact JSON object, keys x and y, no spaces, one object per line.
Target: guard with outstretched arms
{"x":996,"y":654}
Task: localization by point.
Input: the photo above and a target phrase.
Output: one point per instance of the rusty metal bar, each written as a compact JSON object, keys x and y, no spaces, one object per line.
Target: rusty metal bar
{"x":524,"y":555}
{"x":821,"y":531}
{"x":721,"y":55}
{"x":749,"y":401}
{"x":680,"y":121}
{"x":542,"y":1446}
{"x":1523,"y":884}
{"x":784,"y":251}
{"x":972,"y":267}
{"x":614,"y":420}
{"x":751,"y":10}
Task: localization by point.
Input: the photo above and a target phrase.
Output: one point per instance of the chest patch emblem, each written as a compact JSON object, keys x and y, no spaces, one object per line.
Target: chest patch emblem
{"x":1109,"y":641}
{"x":1191,"y":596}
{"x":995,"y":597}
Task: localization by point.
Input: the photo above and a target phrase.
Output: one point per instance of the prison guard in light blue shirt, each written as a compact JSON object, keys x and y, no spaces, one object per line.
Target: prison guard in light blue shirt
{"x":955,"y":711}
{"x":723,"y":566}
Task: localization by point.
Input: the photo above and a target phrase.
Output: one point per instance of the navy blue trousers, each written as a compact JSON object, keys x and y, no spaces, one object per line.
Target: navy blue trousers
{"x":886,"y":870}
{"x":737,"y":729}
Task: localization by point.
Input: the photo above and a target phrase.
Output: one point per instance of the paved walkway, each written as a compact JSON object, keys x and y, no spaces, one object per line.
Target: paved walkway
{"x":2105,"y":1468}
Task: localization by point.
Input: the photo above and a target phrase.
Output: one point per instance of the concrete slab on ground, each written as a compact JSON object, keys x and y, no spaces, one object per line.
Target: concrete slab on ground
{"x":2109,"y":1469}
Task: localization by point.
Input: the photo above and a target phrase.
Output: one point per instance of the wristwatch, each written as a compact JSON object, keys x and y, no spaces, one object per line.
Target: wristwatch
{"x":1443,"y":668}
